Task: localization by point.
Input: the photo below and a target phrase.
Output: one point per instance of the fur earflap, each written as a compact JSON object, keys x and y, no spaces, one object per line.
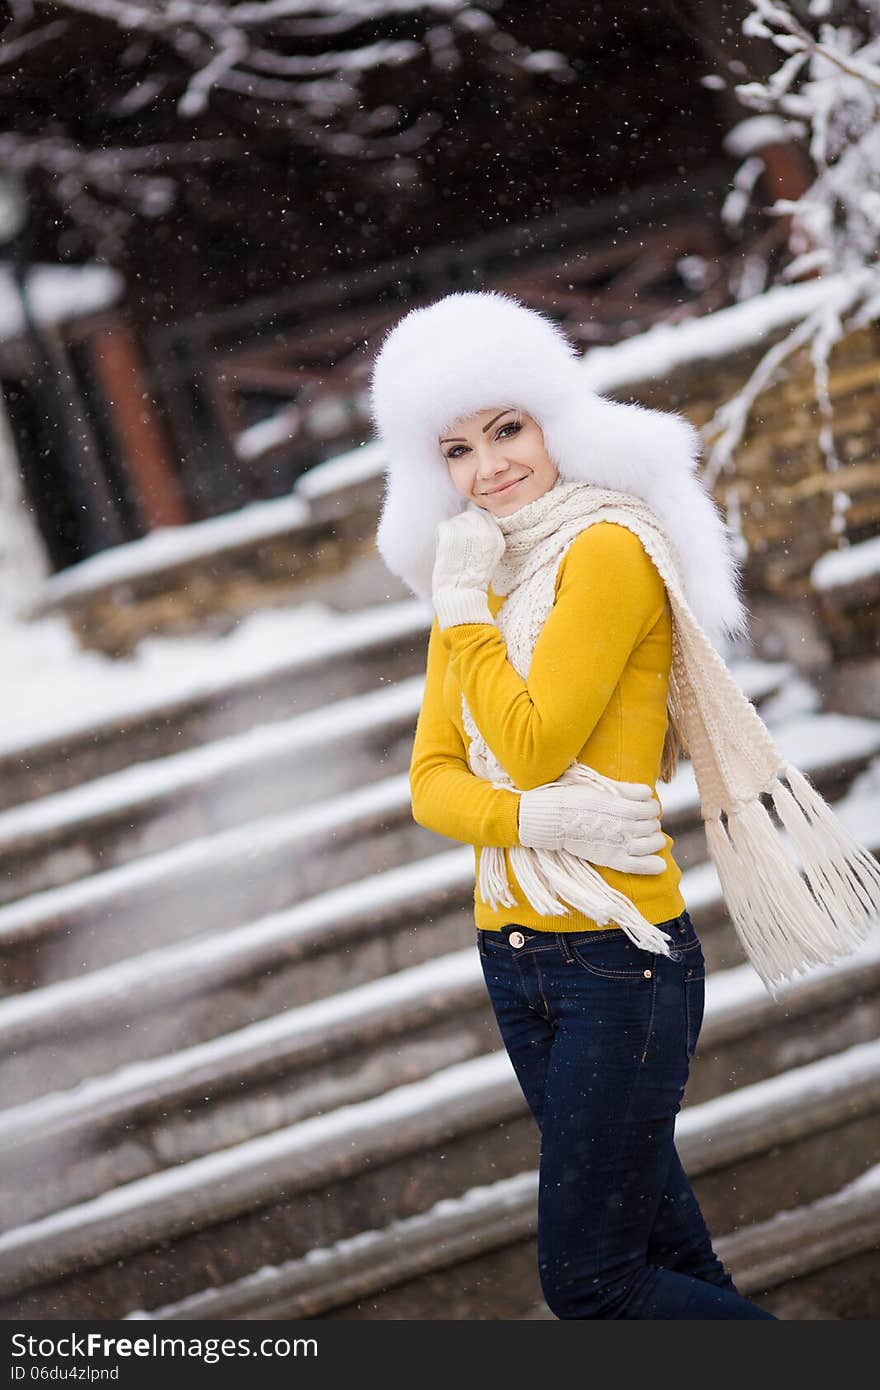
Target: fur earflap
{"x":476,"y":349}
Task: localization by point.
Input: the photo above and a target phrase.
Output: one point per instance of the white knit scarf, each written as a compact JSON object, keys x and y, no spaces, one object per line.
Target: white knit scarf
{"x":785,"y":922}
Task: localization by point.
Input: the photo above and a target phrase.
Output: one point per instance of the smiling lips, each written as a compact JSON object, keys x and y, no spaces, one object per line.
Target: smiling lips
{"x":505,"y":488}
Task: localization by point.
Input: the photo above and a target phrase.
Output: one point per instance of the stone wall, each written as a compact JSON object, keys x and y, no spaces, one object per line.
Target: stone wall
{"x":784,"y":494}
{"x":782,"y":484}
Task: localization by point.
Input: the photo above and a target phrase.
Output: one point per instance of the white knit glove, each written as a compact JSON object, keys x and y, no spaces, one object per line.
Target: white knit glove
{"x":469,"y":547}
{"x":617,"y":827}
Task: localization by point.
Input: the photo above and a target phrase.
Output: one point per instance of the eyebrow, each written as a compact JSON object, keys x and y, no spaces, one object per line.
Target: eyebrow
{"x":458,"y":440}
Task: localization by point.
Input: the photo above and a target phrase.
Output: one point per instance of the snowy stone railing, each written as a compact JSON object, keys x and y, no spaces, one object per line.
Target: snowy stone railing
{"x":179,"y":578}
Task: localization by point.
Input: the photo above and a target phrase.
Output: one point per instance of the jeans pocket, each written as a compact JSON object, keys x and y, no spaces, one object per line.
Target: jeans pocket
{"x":684,"y":943}
{"x":611,"y":956}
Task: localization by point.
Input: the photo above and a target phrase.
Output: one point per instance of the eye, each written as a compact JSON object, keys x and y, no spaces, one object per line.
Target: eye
{"x":515,"y":425}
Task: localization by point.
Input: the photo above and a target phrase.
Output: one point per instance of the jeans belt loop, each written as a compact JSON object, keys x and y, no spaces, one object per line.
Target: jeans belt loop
{"x":564,"y":948}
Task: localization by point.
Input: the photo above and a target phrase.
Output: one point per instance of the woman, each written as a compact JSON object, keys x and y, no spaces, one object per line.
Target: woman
{"x":587,"y":555}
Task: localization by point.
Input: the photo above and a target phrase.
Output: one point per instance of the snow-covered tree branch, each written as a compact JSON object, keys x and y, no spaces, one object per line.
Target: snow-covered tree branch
{"x":184,"y":82}
{"x":825,"y":93}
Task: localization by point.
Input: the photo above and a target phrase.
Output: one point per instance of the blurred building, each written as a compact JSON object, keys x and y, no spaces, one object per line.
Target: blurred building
{"x":559,"y":154}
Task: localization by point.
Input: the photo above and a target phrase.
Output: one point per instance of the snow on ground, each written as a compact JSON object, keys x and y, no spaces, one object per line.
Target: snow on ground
{"x":51,"y":685}
{"x":811,"y":743}
{"x":166,"y":546}
{"x":344,"y":470}
{"x":167,"y":1200}
{"x":57,"y":293}
{"x":334,"y":723}
{"x":182,"y":969}
{"x":54,"y":689}
{"x":849,"y":565}
{"x":731,"y":995}
{"x":244,"y":754}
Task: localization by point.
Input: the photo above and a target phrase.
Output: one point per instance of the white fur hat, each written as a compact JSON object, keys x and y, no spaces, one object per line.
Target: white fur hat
{"x":476,"y":349}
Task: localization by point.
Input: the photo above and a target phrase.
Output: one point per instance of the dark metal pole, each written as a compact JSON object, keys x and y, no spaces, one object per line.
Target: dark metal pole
{"x":94,"y":531}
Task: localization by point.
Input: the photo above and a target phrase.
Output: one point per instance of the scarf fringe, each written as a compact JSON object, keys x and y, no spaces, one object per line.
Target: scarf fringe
{"x":493,"y":883}
{"x":786,"y":922}
{"x":542,"y":873}
{"x":850,"y":856}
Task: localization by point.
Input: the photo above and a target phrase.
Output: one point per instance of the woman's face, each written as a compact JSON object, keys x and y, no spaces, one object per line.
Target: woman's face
{"x":499,"y":448}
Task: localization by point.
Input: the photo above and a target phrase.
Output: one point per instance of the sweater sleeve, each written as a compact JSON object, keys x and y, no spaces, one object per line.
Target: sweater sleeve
{"x":609,"y":596}
{"x":446,"y":796}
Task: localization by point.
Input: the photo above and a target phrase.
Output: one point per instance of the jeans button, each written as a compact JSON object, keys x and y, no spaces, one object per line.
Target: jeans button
{"x":516,"y":938}
{"x":647,"y":974}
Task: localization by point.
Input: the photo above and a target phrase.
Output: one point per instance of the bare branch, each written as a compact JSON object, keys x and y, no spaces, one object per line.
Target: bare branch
{"x":831,"y":86}
{"x":14,"y":50}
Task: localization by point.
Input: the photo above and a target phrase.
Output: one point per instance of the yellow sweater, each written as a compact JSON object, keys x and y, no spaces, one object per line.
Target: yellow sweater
{"x":596,"y":691}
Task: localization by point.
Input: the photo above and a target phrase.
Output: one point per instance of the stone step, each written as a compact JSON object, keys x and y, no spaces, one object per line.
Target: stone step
{"x":338,"y":1175}
{"x":191,"y":991}
{"x":157,"y":804}
{"x":184,"y":578}
{"x":139,"y":1007}
{"x":359,"y":653}
{"x":474,"y":1258}
{"x":160,"y":803}
{"x":69,"y":1146}
{"x":817,"y":1262}
{"x":209,"y":885}
{"x":217,"y":882}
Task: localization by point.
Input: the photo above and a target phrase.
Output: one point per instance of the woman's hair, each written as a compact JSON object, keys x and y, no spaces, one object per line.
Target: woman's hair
{"x":674,"y":746}
{"x":673,"y":749}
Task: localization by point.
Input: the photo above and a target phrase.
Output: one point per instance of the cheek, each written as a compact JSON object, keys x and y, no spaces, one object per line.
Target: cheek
{"x":530,"y":441}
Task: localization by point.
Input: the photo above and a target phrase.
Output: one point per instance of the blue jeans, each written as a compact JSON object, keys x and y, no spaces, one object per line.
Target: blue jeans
{"x":601,"y":1034}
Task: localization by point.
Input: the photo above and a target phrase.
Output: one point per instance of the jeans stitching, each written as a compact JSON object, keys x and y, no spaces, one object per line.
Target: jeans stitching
{"x":632,"y":975}
{"x":541,"y":992}
{"x":626,"y":1114}
{"x":651,"y":1019}
{"x":540,"y":940}
{"x":689,"y":1014}
{"x":597,"y":935}
{"x":564,"y":948}
{"x":695,"y":966}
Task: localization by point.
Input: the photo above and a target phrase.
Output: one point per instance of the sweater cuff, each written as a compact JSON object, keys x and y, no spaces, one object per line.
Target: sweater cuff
{"x":539,"y":822}
{"x":455,"y":606}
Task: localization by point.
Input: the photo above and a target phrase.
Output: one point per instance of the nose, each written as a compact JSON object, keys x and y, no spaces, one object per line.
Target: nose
{"x":490,"y":465}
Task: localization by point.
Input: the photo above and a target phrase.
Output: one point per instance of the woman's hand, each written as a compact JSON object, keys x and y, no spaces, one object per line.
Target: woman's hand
{"x":617,"y":826}
{"x":469,"y":547}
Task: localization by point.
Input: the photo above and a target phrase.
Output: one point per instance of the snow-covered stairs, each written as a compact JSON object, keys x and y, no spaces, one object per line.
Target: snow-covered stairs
{"x":357,"y":654}
{"x":353,"y":1046}
{"x":147,"y":979}
{"x":466,"y":1256}
{"x":156,"y":804}
{"x":245,"y":1038}
{"x":359,"y":1167}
